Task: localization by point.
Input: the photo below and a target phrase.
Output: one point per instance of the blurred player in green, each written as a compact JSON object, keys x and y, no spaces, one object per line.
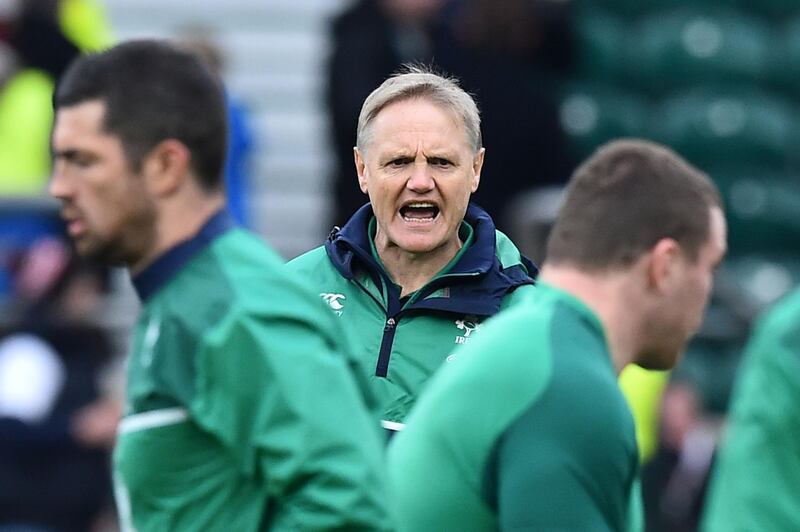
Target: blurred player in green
{"x":756,"y":481}
{"x":527,"y":428}
{"x":241,"y":412}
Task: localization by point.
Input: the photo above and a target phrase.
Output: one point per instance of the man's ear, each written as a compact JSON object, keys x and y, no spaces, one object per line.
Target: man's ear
{"x":166,"y":167}
{"x":662,"y":264}
{"x":361,"y":170}
{"x":477,"y":165}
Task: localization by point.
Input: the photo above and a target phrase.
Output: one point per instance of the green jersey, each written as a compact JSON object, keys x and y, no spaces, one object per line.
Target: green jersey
{"x":756,"y":481}
{"x":241,"y":413}
{"x":525,"y":430}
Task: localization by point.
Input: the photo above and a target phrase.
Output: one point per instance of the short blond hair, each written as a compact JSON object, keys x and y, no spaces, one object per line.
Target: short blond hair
{"x":415,"y":81}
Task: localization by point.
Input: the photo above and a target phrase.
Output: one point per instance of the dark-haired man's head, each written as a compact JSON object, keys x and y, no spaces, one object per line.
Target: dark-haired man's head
{"x":139,"y":128}
{"x":152,"y":91}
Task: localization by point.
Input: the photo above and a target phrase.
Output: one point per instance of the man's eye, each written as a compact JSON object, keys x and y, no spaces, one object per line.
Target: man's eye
{"x":400,"y":161}
{"x":78,"y":159}
{"x":438,"y":161}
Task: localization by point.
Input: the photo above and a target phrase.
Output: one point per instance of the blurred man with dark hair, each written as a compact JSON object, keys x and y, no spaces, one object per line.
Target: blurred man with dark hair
{"x":527,"y":428}
{"x":240,"y":413}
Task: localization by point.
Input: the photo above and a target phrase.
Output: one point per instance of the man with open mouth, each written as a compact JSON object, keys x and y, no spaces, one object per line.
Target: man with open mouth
{"x":414,"y":273}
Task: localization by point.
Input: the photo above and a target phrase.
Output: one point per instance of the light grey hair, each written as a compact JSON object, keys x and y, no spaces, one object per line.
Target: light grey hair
{"x":413,"y":82}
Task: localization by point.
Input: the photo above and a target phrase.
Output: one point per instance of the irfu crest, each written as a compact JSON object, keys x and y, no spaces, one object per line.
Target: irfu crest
{"x":468,"y":326}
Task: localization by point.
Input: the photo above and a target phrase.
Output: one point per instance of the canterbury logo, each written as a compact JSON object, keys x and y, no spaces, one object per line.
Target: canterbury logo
{"x":333,"y":301}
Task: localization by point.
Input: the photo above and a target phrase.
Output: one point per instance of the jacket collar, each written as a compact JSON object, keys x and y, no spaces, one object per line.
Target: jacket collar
{"x":164,"y":268}
{"x":483,"y":284}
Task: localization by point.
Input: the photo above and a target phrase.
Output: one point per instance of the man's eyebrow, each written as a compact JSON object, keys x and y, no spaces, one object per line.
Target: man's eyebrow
{"x":394,"y":154}
{"x":71,"y":152}
{"x":68,"y":154}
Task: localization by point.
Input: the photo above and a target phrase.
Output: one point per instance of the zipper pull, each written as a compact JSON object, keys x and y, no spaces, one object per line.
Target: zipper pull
{"x":390,"y":323}
{"x":334,"y":232}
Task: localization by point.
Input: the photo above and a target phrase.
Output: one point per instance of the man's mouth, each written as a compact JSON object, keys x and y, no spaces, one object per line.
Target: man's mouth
{"x":419,"y":211}
{"x":74,"y":224}
{"x":75,"y":228}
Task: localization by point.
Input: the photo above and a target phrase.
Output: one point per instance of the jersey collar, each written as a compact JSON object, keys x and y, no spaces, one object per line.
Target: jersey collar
{"x":164,"y":268}
{"x":485,"y":284}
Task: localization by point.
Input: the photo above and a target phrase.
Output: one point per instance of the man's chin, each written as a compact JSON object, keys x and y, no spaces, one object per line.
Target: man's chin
{"x":418,"y":243}
{"x":101,"y":254}
{"x":650,"y":366}
{"x":85,"y":248}
{"x":661,"y":361}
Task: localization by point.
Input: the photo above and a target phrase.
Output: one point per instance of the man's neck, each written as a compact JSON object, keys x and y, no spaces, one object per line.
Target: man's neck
{"x":606,"y":294}
{"x":412,"y":271}
{"x":178,"y":221}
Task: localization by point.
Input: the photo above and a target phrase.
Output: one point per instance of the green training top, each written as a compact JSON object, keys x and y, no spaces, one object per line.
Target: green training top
{"x":525,"y":430}
{"x":756,"y":482}
{"x":401,"y":342}
{"x":241,"y":413}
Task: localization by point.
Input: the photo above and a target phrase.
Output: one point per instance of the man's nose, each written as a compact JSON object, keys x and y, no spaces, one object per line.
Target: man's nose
{"x":421,"y":179}
{"x":59,"y":184}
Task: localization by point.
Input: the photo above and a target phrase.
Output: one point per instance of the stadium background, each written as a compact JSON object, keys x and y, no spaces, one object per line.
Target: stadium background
{"x":717,"y":80}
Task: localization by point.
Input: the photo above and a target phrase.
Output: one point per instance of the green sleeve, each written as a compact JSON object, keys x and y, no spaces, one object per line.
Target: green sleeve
{"x":757,"y":475}
{"x":272,"y":388}
{"x":569,"y":462}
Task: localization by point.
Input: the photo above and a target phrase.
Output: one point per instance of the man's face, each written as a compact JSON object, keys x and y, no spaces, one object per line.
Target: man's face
{"x":106,"y":206}
{"x":419,"y":172}
{"x":684,"y":307}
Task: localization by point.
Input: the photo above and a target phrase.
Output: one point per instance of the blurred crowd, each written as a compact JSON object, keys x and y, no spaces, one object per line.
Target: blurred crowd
{"x":58,"y":404}
{"x":58,"y":394}
{"x":554,"y":79}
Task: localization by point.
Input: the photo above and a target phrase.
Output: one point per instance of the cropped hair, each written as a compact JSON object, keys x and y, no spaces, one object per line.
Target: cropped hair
{"x":153,"y":91}
{"x":418,"y":82}
{"x":625,"y":198}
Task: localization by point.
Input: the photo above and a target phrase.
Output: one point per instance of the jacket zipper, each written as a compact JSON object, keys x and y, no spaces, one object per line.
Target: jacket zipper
{"x":389,"y":328}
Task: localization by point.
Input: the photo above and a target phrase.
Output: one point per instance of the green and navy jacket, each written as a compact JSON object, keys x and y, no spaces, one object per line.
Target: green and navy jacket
{"x":401,"y":341}
{"x":241,"y":411}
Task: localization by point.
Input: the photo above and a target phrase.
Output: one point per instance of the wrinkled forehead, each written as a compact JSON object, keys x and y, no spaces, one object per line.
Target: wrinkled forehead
{"x":388,"y":117}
